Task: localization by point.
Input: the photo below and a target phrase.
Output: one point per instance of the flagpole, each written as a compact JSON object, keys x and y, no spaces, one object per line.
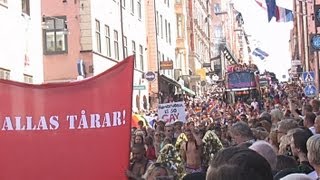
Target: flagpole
{"x":316,"y":61}
{"x":305,"y":34}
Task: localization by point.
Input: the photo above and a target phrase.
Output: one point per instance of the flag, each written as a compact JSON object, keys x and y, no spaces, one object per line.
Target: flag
{"x":272,"y":9}
{"x":262,"y":4}
{"x":284,"y":15}
{"x":260,"y":53}
{"x":280,"y":13}
{"x":71,"y":130}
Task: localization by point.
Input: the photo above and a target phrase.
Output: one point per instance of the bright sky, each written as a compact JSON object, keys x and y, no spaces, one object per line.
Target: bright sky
{"x":271,"y":37}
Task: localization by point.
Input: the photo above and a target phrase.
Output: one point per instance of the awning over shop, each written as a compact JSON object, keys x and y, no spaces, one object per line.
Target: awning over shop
{"x":188,"y":90}
{"x":169,"y":80}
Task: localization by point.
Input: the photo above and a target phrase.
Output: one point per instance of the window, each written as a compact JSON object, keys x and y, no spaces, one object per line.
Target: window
{"x":157,"y":19}
{"x":55,"y":36}
{"x":179,"y":26}
{"x":124,"y":3}
{"x":116,"y":45}
{"x":217,"y":8}
{"x":161,"y":24}
{"x":25,"y":4}
{"x":132,"y":6}
{"x":134,"y":52}
{"x":169,"y":32}
{"x":141,"y":58}
{"x":4,"y":74}
{"x":108,"y":41}
{"x":125,"y":46}
{"x":28,"y":78}
{"x":166,"y":29}
{"x":98,"y":38}
{"x":139,"y":9}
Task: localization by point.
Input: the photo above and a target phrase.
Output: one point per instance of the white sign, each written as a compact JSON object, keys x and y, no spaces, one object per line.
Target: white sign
{"x":171,"y":112}
{"x":295,"y":62}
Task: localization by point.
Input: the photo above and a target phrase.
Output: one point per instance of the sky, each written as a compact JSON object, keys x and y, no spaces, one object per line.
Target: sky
{"x":272,"y":37}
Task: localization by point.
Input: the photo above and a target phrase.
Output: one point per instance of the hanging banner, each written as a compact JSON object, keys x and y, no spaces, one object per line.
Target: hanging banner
{"x":64,"y":131}
{"x":171,"y":112}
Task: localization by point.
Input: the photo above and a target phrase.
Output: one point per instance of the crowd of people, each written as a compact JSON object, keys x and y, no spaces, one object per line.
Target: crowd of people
{"x":275,"y":137}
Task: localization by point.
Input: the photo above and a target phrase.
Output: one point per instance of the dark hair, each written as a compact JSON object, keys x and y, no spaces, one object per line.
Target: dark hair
{"x":310,"y":117}
{"x":242,"y":129}
{"x":307,"y":108}
{"x":195,"y":176}
{"x":300,"y":139}
{"x":237,"y":163}
{"x":138,"y":146}
{"x":285,"y":162}
{"x":138,"y":135}
{"x":140,"y":123}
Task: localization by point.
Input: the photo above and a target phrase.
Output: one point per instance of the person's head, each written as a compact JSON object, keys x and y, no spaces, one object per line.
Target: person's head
{"x":296,"y":176}
{"x":317,"y":125}
{"x":284,"y":126}
{"x":313,"y":147}
{"x":191,"y":125}
{"x":138,"y":139}
{"x":178,"y":125}
{"x":265,"y":116}
{"x":243,"y":118}
{"x":140,"y":124}
{"x":265,"y":150}
{"x":285,"y":162}
{"x":158,"y":136}
{"x":195,"y":176}
{"x":315,"y":105}
{"x":149,"y":140}
{"x":189,"y":134}
{"x":309,"y":119}
{"x":168,"y":131}
{"x":158,"y":171}
{"x":299,"y":141}
{"x":276,"y":115}
{"x":161,"y":124}
{"x":241,"y":132}
{"x":138,"y":152}
{"x":306,"y":108}
{"x":237,"y":163}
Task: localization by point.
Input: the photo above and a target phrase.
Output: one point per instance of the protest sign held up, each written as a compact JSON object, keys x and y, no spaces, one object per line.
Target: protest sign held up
{"x":171,"y":112}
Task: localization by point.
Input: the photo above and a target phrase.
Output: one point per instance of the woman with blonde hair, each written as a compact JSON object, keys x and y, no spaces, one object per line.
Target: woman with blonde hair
{"x":158,"y":171}
{"x":313,"y":147}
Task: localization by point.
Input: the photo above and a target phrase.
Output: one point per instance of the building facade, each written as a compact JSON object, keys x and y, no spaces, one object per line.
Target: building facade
{"x":199,"y":41}
{"x":20,"y":41}
{"x":96,"y":35}
{"x":161,"y":43}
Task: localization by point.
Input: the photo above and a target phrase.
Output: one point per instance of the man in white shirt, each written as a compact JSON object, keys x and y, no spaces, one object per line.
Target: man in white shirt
{"x":255,"y":104}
